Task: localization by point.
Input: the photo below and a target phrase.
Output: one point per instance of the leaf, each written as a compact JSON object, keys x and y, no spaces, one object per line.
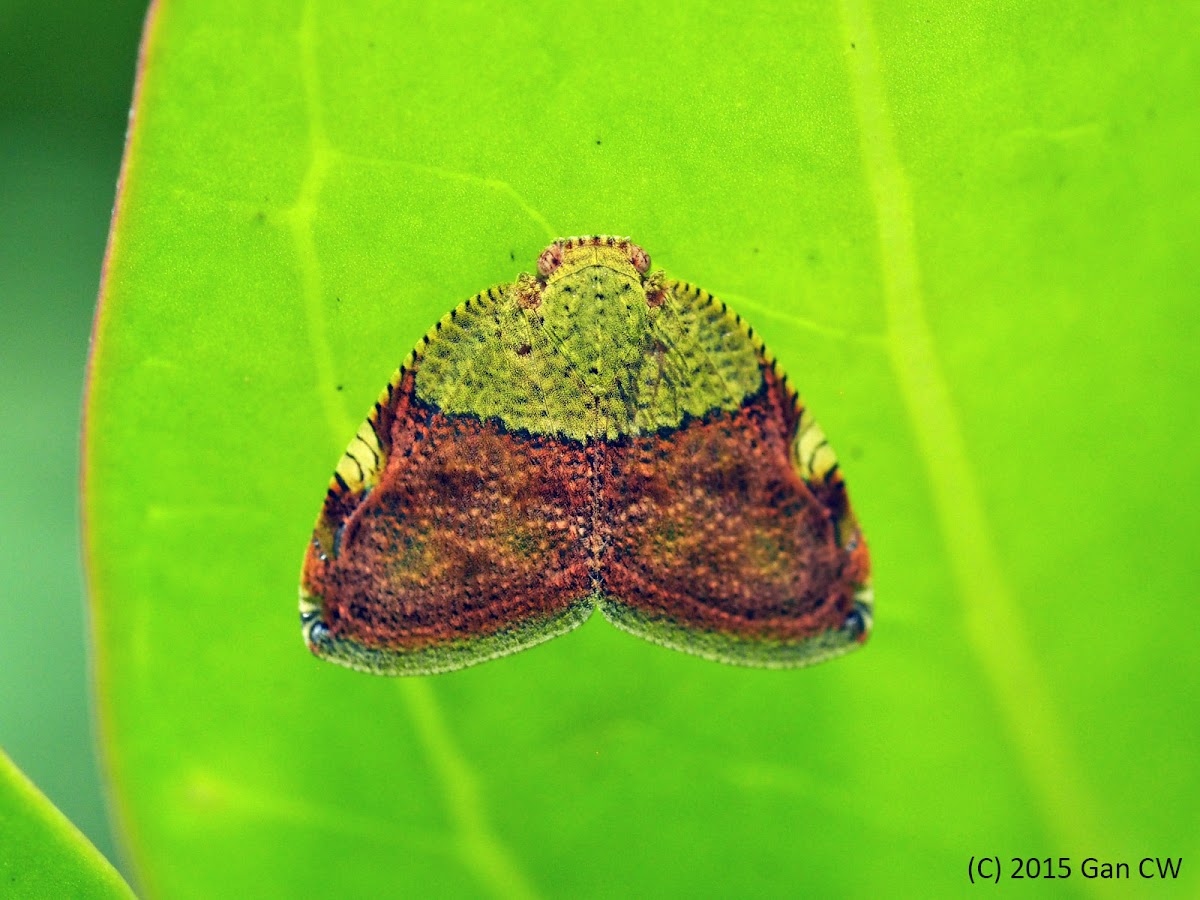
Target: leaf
{"x":969,"y":234}
{"x":41,"y":853}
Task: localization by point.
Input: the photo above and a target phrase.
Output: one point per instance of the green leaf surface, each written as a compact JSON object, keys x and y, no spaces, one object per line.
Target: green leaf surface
{"x":41,"y":853}
{"x":970,"y":234}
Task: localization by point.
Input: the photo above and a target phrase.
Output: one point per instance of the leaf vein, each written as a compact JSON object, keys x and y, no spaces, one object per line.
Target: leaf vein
{"x":996,"y":628}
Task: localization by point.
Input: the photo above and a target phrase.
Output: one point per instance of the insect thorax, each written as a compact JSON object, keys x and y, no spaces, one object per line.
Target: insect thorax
{"x":592,"y":358}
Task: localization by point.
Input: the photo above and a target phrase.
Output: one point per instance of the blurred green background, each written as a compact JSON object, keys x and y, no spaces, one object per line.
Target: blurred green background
{"x":66,"y":75}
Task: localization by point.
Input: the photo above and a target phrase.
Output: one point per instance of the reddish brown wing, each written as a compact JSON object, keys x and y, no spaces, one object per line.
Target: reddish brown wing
{"x":467,"y":546}
{"x":719,"y":547}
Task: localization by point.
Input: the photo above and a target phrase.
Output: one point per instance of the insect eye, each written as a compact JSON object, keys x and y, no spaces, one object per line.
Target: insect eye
{"x":640,"y":258}
{"x":550,"y":259}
